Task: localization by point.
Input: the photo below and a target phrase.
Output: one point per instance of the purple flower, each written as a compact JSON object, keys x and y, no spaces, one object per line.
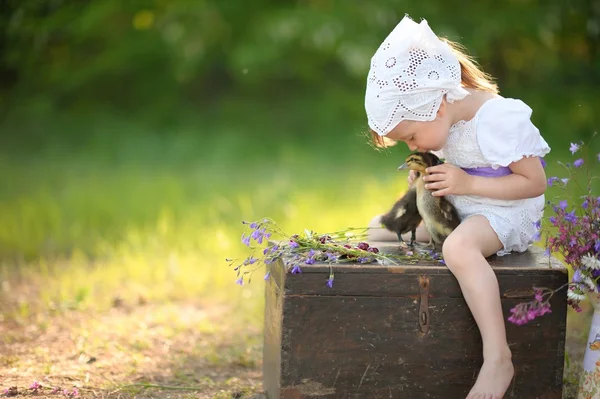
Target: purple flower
{"x":296,"y":269}
{"x":597,"y":246}
{"x":331,"y":257}
{"x":537,"y":236}
{"x":330,"y":281}
{"x":309,"y":261}
{"x":363,"y":245}
{"x":552,"y":180}
{"x":578,"y":163}
{"x":574,"y":147}
{"x":537,"y":224}
{"x":570,"y":216}
{"x":543,"y":161}
{"x":240,"y":281}
{"x":442,"y":261}
{"x":564,"y":180}
{"x":267,"y":276}
{"x":577,"y":276}
{"x":251,"y":260}
{"x":293,"y":244}
{"x":552,"y":220}
{"x":254,"y":225}
{"x":585,"y":204}
{"x":246,"y":240}
{"x":562,"y":205}
{"x":547,"y":252}
{"x":35,"y":385}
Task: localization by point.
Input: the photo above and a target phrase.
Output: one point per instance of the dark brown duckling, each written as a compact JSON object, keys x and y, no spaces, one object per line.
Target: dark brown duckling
{"x":439,"y":215}
{"x":404,"y":216}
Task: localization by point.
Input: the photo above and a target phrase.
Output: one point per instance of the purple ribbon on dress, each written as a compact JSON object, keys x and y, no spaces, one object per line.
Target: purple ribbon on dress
{"x":488,"y":171}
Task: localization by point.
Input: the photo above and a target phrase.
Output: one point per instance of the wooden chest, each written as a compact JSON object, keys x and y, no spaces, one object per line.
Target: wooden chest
{"x":404,"y":331}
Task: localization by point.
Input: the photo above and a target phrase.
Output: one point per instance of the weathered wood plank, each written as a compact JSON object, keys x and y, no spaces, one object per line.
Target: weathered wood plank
{"x":362,"y":338}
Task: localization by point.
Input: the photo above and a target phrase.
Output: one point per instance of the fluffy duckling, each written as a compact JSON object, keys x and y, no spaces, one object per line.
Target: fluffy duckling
{"x":439,"y":215}
{"x":404,"y":216}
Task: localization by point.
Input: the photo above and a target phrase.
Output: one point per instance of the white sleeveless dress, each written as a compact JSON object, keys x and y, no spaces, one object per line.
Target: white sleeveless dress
{"x":500,"y":133}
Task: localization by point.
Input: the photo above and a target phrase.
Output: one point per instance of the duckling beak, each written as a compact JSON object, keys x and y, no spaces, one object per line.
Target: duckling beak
{"x":403,"y":166}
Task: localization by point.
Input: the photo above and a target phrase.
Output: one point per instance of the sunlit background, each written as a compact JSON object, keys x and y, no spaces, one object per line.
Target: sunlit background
{"x":137,"y":135}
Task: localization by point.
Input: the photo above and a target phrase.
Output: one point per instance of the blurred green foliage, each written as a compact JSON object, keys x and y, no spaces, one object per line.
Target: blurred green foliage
{"x":221,"y":97}
{"x":152,"y":59}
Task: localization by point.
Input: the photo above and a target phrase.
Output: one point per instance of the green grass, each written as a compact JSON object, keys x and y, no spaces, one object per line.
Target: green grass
{"x":123,"y":213}
{"x":144,"y":214}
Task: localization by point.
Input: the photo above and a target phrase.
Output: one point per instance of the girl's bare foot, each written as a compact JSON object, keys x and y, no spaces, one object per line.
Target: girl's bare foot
{"x":493,"y":380}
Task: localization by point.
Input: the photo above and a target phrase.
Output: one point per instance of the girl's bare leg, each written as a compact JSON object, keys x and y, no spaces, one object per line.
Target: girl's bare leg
{"x":464,"y":252}
{"x":379,"y":233}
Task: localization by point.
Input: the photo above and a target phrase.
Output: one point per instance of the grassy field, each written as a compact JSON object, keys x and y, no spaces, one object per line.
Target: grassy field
{"x":113,"y":273}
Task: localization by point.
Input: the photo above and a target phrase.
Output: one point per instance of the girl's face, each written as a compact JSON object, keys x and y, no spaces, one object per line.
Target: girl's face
{"x":423,"y":136}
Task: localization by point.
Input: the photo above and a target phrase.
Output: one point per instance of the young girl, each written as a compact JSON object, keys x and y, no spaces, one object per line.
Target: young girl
{"x":425,"y":92}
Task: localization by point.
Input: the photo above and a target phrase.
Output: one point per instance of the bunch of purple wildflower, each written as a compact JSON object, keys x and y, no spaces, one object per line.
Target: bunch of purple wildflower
{"x":36,"y":388}
{"x":525,"y":312}
{"x":572,"y":233}
{"x":276,"y":248}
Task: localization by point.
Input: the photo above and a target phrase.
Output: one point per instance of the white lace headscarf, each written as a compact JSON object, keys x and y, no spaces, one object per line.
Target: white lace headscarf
{"x":410,"y":73}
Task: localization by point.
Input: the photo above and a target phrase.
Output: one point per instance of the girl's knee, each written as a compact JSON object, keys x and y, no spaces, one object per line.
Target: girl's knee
{"x":375,"y":222}
{"x":456,"y":248}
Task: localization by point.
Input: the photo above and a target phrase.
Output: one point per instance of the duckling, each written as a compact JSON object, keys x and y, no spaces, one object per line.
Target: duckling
{"x":404,"y":216}
{"x":439,"y":215}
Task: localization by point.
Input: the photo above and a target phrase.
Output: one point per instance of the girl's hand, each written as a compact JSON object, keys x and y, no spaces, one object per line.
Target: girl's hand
{"x":447,"y":179}
{"x":412,"y":175}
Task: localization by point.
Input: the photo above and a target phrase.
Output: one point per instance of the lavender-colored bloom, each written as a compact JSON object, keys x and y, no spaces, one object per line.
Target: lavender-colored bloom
{"x":35,"y":385}
{"x":543,"y":161}
{"x":330,"y":281}
{"x":331,"y":257}
{"x":267,"y":276}
{"x":363,"y":260}
{"x":597,"y":246}
{"x":311,"y":253}
{"x":240,"y":281}
{"x":309,"y":261}
{"x":537,"y":236}
{"x":552,"y":180}
{"x":562,"y":205}
{"x":585,"y":204}
{"x":547,"y":252}
{"x":251,"y":260}
{"x":578,"y":162}
{"x":577,"y":276}
{"x":296,"y":269}
{"x":442,"y":261}
{"x":256,"y":233}
{"x":537,"y":224}
{"x":574,"y":147}
{"x":564,"y":180}
{"x":570,"y":216}
{"x":293,"y":244}
{"x":552,"y":220}
{"x":246,"y":240}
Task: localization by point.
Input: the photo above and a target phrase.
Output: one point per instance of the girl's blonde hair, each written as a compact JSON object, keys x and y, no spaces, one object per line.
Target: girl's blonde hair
{"x":472,"y":76}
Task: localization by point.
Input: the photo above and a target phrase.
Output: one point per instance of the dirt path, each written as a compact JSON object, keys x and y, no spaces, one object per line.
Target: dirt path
{"x":201,"y":350}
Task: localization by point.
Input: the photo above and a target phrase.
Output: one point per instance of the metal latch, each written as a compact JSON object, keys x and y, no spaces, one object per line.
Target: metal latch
{"x":424,"y":304}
